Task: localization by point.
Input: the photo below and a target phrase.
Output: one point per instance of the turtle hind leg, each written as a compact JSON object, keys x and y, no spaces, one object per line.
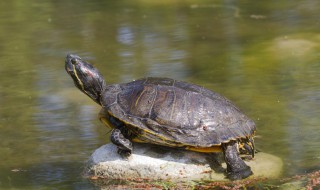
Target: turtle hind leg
{"x":124,"y":145}
{"x":236,"y":167}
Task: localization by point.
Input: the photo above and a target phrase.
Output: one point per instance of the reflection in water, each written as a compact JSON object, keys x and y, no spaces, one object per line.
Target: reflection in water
{"x":53,"y":120}
{"x":63,"y":126}
{"x":234,"y":47}
{"x":150,"y":51}
{"x":126,"y":38}
{"x":125,"y":35}
{"x":303,"y":126}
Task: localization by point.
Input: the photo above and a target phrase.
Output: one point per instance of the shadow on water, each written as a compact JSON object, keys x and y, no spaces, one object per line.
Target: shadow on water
{"x":262,"y":56}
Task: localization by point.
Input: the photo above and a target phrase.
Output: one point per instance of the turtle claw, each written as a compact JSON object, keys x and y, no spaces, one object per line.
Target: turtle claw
{"x":240,"y":174}
{"x":125,"y":154}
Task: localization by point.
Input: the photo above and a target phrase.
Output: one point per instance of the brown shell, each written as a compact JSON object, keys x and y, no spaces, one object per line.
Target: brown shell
{"x":175,"y":113}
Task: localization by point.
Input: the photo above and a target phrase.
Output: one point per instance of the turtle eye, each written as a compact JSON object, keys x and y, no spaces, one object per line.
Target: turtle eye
{"x":74,"y":61}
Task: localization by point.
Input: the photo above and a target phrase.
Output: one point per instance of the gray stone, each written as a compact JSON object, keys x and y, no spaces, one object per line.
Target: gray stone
{"x":161,"y":163}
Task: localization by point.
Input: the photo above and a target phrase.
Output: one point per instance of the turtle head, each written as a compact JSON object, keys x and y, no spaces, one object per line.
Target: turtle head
{"x":86,"y":77}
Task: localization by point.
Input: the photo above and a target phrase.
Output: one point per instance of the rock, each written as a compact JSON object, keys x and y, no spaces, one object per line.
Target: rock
{"x":161,"y":163}
{"x":295,"y":185}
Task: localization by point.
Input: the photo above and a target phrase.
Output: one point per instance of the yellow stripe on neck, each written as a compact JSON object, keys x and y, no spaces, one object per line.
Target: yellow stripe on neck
{"x":80,"y":82}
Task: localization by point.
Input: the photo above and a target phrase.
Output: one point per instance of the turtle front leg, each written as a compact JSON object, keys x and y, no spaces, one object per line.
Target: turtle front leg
{"x":236,"y":167}
{"x":124,"y":145}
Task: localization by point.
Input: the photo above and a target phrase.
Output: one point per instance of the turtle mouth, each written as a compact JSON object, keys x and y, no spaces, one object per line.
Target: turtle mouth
{"x":71,"y":62}
{"x":69,"y":68}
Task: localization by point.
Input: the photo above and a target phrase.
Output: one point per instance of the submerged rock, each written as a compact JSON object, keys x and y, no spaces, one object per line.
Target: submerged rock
{"x":161,"y":163}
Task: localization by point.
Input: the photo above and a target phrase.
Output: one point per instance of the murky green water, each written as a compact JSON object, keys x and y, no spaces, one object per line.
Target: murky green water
{"x":264,"y":56}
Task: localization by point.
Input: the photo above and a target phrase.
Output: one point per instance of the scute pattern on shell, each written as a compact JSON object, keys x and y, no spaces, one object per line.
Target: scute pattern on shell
{"x":169,"y":112}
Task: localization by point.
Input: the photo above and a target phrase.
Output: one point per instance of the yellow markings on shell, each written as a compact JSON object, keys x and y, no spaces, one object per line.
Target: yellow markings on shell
{"x":138,"y":140}
{"x":205,"y":149}
{"x":153,"y":101}
{"x":106,"y":122}
{"x":174,"y":103}
{"x":137,"y":101}
{"x":190,"y":148}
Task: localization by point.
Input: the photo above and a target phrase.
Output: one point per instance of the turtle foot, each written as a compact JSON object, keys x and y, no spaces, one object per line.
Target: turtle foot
{"x":238,"y":175}
{"x":125,"y":154}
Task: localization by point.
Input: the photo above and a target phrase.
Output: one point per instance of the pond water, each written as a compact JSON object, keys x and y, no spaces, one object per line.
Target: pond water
{"x":264,"y":56}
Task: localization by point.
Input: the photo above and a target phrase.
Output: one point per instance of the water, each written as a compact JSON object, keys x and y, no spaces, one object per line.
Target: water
{"x":264,"y":56}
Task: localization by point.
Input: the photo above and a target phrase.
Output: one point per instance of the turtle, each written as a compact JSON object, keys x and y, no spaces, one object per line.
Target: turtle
{"x":169,"y":113}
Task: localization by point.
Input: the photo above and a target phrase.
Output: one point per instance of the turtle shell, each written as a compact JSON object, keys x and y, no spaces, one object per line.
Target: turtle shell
{"x":174,"y":113}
